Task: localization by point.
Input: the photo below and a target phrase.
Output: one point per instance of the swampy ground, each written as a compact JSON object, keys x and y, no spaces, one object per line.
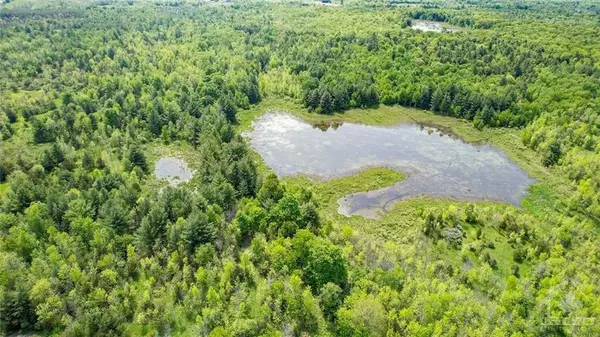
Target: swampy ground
{"x":435,"y":163}
{"x":173,"y":170}
{"x":400,"y":224}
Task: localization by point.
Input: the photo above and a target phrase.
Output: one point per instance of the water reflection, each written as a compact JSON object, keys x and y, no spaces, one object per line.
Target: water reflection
{"x":172,"y":169}
{"x":431,"y":26}
{"x":435,"y":164}
{"x":324,"y":126}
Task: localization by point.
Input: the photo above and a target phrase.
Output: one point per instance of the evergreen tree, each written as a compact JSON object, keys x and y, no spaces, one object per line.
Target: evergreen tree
{"x":228,"y":109}
{"x":312,"y":99}
{"x":436,"y":99}
{"x":152,"y":231}
{"x":138,"y":158}
{"x":326,"y":103}
{"x":198,"y":230}
{"x":553,"y":154}
{"x":87,"y":161}
{"x":114,"y":214}
{"x":271,"y":191}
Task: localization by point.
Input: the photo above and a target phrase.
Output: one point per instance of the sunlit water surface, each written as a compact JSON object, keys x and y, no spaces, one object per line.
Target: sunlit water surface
{"x":435,"y":164}
{"x":172,"y":169}
{"x":431,"y":26}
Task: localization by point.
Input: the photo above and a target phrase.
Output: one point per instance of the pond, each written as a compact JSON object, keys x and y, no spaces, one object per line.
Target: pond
{"x":435,"y":164}
{"x":172,"y":169}
{"x":431,"y":26}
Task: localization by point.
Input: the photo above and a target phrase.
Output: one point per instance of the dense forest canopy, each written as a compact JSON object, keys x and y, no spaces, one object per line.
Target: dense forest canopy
{"x":91,"y":92}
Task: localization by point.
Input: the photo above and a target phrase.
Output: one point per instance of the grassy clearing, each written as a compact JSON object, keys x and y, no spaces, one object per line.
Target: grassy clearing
{"x":328,"y":192}
{"x":178,"y":149}
{"x":541,"y":200}
{"x":499,"y":249}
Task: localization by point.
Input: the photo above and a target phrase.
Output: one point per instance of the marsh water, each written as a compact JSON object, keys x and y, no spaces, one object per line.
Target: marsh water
{"x":435,"y":164}
{"x":431,"y":26}
{"x":172,"y":169}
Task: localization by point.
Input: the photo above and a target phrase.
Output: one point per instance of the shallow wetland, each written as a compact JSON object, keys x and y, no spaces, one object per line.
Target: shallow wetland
{"x":435,"y":163}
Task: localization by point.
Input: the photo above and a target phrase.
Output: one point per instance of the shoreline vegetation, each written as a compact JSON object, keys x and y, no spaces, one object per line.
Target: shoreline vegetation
{"x":505,"y":139}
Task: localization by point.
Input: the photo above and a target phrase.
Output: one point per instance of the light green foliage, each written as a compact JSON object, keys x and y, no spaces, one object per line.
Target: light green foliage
{"x":365,"y":318}
{"x":325,"y":264}
{"x":331,"y":298}
{"x":270,"y":191}
{"x":251,"y":218}
{"x":93,"y":92}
